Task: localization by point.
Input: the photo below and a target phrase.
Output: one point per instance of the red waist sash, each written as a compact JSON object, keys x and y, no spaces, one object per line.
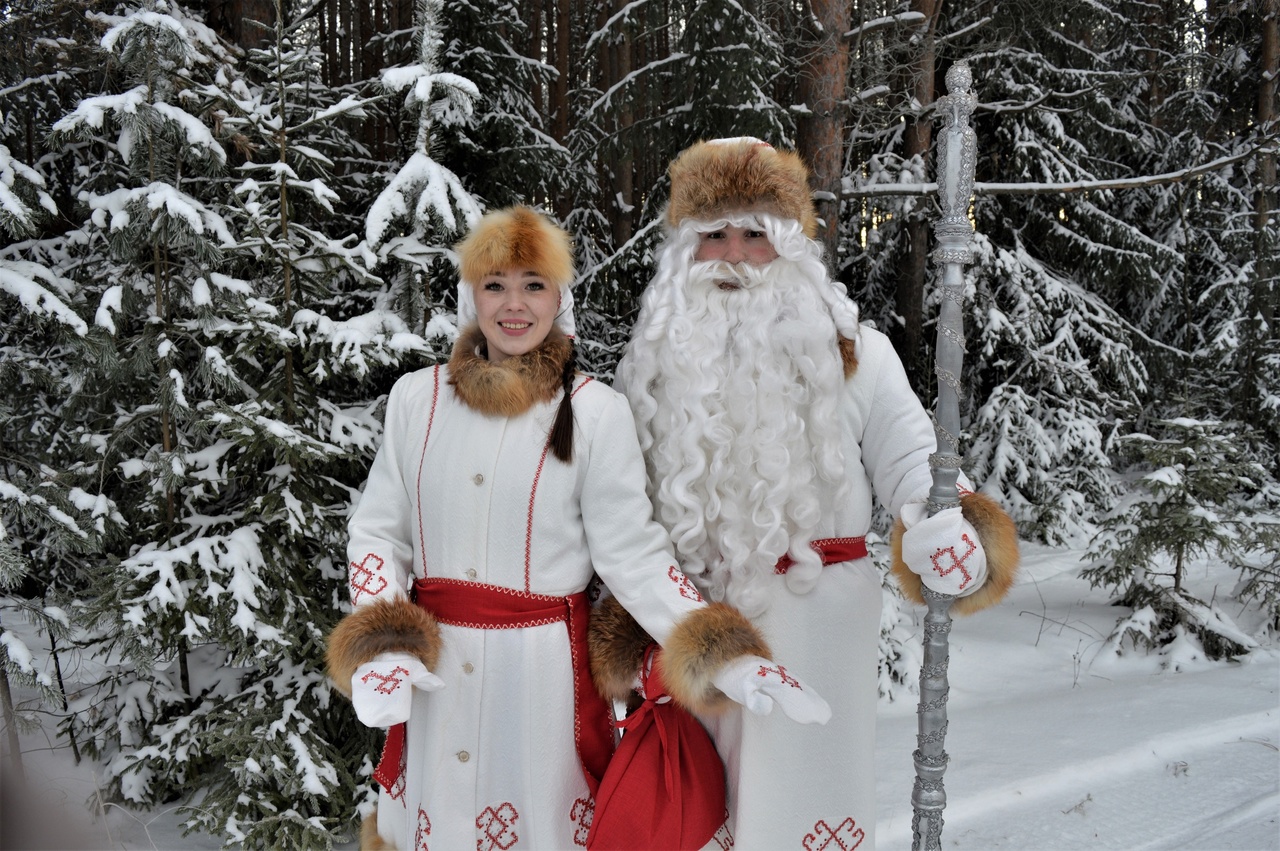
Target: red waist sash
{"x":477,"y":606}
{"x":832,"y":550}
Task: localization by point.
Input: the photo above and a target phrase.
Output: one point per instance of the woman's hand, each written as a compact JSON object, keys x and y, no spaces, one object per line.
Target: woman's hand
{"x":382,"y":688}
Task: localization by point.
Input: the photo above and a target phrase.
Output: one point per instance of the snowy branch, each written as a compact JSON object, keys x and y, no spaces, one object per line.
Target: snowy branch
{"x":891,"y":190}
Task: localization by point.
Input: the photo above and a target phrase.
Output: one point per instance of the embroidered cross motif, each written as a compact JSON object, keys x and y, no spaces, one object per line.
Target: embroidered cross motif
{"x":365,"y":580}
{"x":845,"y":837}
{"x":956,"y":563}
{"x":424,"y":830}
{"x":387,"y":683}
{"x":682,"y":582}
{"x":786,"y":678}
{"x":396,"y":791}
{"x":583,"y":811}
{"x":497,"y":828}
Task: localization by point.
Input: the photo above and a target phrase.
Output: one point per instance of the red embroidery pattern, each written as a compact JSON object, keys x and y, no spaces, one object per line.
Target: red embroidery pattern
{"x":682,"y":582}
{"x":845,"y":837}
{"x":584,"y":809}
{"x":723,"y":838}
{"x":533,"y":492}
{"x":786,"y":678}
{"x":431,"y":417}
{"x":362,"y":578}
{"x":424,"y":830}
{"x":387,"y":683}
{"x":497,"y":828}
{"x":396,"y":790}
{"x":956,"y":563}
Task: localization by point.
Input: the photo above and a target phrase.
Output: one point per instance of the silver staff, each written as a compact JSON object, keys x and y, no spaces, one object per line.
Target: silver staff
{"x":957,"y":151}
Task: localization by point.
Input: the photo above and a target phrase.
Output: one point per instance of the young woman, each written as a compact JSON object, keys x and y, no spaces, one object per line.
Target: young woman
{"x":505,"y":481}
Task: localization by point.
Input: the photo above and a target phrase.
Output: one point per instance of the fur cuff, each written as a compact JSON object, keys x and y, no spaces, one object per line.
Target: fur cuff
{"x":999,"y":538}
{"x":369,"y":838}
{"x":616,"y":645}
{"x":698,"y":647}
{"x":384,"y":626}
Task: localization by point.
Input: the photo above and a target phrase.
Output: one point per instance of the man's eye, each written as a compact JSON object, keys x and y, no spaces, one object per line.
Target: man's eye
{"x":715,"y":234}
{"x":755,"y":234}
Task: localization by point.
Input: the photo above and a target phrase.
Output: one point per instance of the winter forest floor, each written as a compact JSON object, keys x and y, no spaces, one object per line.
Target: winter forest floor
{"x":1053,"y":746}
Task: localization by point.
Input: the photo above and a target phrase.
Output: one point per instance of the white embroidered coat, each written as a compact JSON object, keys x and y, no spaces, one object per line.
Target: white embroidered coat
{"x":807,"y":786}
{"x":457,"y":494}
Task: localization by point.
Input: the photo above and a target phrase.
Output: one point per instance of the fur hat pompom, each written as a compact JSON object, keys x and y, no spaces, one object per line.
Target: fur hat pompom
{"x":516,"y":237}
{"x":714,"y":178}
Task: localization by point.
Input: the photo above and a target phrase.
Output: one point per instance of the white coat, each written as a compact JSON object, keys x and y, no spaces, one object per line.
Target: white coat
{"x":458,"y":494}
{"x":807,"y":786}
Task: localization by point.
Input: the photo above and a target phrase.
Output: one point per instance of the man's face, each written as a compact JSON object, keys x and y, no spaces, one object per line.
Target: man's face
{"x":735,"y":245}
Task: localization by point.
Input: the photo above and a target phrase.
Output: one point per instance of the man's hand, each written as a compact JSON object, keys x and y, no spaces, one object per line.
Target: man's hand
{"x":943,"y":550}
{"x":382,"y":688}
{"x":758,"y":684}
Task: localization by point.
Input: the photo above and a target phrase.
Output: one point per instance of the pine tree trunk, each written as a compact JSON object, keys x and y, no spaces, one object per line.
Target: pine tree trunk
{"x":1265,"y":203}
{"x":11,"y":727}
{"x":624,"y":163}
{"x":820,"y":130}
{"x":914,"y":262}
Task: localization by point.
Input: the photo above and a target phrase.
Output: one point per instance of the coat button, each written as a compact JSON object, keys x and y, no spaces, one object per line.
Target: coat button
{"x":478,"y":479}
{"x":467,"y":667}
{"x":471,"y":573}
{"x":463,"y":756}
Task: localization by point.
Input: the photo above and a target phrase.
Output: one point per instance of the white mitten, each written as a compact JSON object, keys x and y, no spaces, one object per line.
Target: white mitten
{"x":758,"y":684}
{"x":382,"y":688}
{"x":943,"y":550}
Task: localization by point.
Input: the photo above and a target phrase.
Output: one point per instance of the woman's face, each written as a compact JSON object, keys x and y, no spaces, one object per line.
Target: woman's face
{"x":516,"y":309}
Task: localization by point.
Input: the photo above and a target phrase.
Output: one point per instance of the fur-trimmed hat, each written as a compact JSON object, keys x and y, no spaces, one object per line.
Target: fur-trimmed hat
{"x":722,"y":176}
{"x":516,"y":237}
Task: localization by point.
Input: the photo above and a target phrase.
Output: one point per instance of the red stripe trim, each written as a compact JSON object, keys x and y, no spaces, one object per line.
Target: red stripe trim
{"x":431,"y":417}
{"x":832,"y":550}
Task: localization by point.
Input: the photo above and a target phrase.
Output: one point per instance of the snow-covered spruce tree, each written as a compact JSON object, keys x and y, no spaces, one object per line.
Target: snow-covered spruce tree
{"x":1184,"y":504}
{"x":425,"y":206}
{"x":1054,"y":363}
{"x":295,"y":354}
{"x":49,"y":523}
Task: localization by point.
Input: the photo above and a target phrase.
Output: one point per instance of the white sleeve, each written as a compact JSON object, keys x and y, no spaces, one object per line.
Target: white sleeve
{"x":380,"y":543}
{"x":630,"y":550}
{"x":898,"y":437}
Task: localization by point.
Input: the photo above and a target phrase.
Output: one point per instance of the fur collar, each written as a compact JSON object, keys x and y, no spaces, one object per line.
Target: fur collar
{"x":848,"y":356}
{"x":512,"y":386}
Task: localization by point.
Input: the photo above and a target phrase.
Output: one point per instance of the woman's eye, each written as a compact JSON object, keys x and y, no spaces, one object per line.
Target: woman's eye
{"x":493,"y":287}
{"x":536,"y":286}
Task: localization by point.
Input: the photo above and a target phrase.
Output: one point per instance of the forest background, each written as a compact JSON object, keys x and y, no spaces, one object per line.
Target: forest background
{"x":228,"y":233}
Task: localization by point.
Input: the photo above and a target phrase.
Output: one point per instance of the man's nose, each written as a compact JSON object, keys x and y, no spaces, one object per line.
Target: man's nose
{"x":734,"y":252}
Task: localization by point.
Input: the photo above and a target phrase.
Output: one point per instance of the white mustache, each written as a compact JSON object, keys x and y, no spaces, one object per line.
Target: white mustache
{"x":743,"y":274}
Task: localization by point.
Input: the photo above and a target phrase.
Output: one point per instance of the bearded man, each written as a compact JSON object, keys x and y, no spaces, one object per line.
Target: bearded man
{"x":769,"y":417}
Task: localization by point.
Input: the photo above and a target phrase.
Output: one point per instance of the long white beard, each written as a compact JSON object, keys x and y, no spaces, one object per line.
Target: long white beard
{"x":736,"y":397}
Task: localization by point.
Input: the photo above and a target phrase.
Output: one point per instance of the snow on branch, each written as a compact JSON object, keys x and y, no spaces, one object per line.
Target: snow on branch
{"x":890,"y":190}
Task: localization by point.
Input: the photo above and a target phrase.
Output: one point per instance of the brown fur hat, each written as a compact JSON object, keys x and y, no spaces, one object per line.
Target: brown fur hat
{"x":999,"y":539}
{"x":714,"y":178}
{"x":516,"y":237}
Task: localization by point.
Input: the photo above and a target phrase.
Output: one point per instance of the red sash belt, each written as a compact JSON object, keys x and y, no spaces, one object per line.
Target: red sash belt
{"x":469,"y":604}
{"x":832,"y":550}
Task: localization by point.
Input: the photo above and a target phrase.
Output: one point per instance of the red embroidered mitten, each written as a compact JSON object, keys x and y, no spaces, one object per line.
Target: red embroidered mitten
{"x":758,"y":684}
{"x":943,"y":550}
{"x":382,"y":689}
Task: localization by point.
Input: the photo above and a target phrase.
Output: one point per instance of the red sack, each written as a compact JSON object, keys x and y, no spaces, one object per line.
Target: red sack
{"x":664,"y":787}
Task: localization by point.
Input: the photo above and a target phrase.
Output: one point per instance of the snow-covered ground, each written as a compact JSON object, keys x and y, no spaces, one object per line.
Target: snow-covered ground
{"x":1054,"y":745}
